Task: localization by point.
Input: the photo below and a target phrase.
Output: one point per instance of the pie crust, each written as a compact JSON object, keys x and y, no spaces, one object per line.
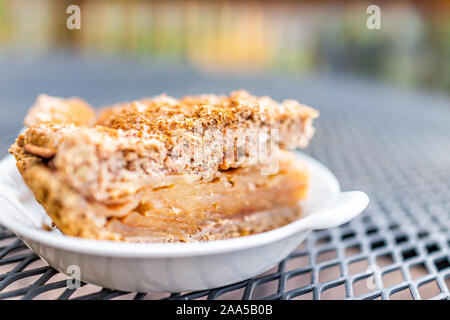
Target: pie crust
{"x":133,"y":173}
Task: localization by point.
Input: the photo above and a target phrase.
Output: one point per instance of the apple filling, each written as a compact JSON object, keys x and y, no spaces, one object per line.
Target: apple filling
{"x":241,"y":201}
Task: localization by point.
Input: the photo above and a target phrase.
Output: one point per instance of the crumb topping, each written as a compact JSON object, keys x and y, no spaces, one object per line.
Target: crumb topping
{"x":153,"y":141}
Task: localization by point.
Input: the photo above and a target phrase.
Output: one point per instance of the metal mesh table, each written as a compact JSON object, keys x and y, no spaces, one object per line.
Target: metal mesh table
{"x":392,"y":143}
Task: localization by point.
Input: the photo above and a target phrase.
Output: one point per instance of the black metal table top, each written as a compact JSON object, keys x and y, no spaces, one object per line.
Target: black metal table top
{"x":393,"y":143}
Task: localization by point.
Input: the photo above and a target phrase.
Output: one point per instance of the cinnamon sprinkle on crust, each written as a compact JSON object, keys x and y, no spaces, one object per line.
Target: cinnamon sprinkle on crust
{"x":150,"y":142}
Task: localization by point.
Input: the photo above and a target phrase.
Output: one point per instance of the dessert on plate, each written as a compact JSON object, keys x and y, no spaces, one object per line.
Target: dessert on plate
{"x":166,"y":170}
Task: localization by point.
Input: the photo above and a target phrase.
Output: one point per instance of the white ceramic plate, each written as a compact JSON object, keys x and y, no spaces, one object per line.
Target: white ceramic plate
{"x":173,"y":267}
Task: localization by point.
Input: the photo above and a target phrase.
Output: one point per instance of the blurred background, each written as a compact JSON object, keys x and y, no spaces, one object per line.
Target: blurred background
{"x":412,"y":47}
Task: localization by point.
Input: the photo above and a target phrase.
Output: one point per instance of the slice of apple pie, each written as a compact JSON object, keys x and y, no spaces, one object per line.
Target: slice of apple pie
{"x":165,"y":170}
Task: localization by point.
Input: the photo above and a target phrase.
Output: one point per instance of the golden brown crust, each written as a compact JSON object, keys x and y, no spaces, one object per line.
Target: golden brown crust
{"x":154,"y":142}
{"x":66,"y":208}
{"x":165,"y":116}
{"x":89,"y":172}
{"x":60,"y":110}
{"x":41,"y":152}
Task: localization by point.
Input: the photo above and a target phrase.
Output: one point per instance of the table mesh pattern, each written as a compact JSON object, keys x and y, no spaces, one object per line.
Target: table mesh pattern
{"x":392,"y":143}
